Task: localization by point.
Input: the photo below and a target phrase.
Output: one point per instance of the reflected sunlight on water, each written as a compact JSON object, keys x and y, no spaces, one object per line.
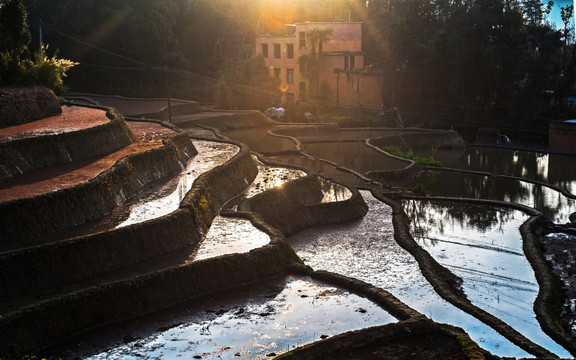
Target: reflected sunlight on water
{"x":228,"y":236}
{"x":247,"y":323}
{"x":166,"y":200}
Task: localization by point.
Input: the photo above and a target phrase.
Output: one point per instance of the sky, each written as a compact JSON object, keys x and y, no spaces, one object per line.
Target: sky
{"x":555,"y":14}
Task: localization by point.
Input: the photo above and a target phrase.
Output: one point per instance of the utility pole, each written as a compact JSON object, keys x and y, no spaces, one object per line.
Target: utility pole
{"x":40,"y":33}
{"x":167,"y":93}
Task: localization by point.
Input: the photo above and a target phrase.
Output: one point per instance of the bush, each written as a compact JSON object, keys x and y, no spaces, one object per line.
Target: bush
{"x":44,"y":70}
{"x":393,"y":150}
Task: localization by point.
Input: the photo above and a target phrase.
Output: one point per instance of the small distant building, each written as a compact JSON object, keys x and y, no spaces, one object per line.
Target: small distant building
{"x":343,"y":79}
{"x":562,"y":136}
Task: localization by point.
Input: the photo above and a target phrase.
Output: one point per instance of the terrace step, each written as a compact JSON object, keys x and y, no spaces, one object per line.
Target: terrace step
{"x":61,"y":139}
{"x":63,"y":196}
{"x":103,"y":246}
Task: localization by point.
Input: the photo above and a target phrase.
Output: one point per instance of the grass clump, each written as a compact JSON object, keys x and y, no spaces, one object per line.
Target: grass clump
{"x":396,"y":151}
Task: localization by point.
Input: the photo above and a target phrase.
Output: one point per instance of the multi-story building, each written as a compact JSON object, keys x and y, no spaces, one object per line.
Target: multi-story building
{"x":342,"y":79}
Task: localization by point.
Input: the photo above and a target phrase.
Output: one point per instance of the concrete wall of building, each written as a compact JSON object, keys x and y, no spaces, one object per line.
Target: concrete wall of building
{"x":346,"y":36}
{"x":357,"y":89}
{"x":342,"y":51}
{"x":284,"y":62}
{"x":562,"y":136}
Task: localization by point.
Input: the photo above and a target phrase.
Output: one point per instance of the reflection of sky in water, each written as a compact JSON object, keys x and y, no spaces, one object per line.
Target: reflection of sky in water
{"x":210,"y":155}
{"x":365,"y":249}
{"x":254,"y":325}
{"x":487,"y":256}
{"x":228,"y":236}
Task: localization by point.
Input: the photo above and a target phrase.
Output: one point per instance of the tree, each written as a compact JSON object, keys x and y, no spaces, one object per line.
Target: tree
{"x":16,"y":67}
{"x":535,"y":11}
{"x":245,"y":83}
{"x":14,"y":39}
{"x":14,"y":31}
{"x":310,"y":63}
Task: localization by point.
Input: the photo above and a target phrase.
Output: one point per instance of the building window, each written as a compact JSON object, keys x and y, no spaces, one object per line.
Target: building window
{"x":349,"y":62}
{"x":290,"y":76}
{"x":302,"y":89}
{"x":265,"y":50}
{"x":277,"y":73}
{"x":302,"y":36}
{"x":290,"y":51}
{"x":277,"y":51}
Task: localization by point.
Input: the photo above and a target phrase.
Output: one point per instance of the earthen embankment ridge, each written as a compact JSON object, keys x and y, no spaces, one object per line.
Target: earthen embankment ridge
{"x":23,"y":105}
{"x":60,"y":279}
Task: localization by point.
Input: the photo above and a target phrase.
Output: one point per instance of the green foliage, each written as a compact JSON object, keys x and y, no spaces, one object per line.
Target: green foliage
{"x":44,"y":70}
{"x":419,"y":189}
{"x":14,"y":39}
{"x":393,"y":150}
{"x":483,"y":59}
{"x":15,"y":67}
{"x":14,"y":32}
{"x":310,"y":63}
{"x":245,"y":83}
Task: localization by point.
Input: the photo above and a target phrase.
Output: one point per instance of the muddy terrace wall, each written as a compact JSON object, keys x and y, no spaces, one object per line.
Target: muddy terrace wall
{"x":190,"y":107}
{"x":23,"y":155}
{"x":89,"y":255}
{"x":28,"y":329}
{"x":548,"y":304}
{"x":65,"y":208}
{"x":31,"y":329}
{"x":427,"y":139}
{"x":224,"y":120}
{"x":296,"y":206}
{"x":23,"y":105}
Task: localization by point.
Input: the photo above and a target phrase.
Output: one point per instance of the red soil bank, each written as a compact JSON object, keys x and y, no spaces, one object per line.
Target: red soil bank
{"x":148,"y":136}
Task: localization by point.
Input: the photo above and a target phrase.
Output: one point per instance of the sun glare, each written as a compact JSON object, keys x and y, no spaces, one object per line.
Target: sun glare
{"x":275,"y":14}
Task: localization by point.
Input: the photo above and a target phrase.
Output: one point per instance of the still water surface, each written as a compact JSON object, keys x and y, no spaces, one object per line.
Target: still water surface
{"x":483,"y":246}
{"x":554,"y":169}
{"x":246,"y":323}
{"x":365,"y":249}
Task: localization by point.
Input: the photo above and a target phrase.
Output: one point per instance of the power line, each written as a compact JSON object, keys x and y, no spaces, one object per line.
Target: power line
{"x":181,"y":73}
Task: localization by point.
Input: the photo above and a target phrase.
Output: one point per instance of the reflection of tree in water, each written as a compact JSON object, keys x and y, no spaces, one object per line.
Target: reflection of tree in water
{"x":473,"y":186}
{"x":550,"y":202}
{"x":426,"y":217}
{"x":506,"y":162}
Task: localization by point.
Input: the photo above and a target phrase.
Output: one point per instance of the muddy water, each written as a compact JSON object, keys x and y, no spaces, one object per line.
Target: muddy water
{"x":270,"y":177}
{"x":321,"y":167}
{"x":167,"y":199}
{"x":259,"y":140}
{"x":553,"y":169}
{"x":560,"y":252}
{"x":334,"y":192}
{"x":365,"y":249}
{"x":230,"y":236}
{"x":482,"y":245}
{"x":247,"y":323}
{"x":553,"y":204}
{"x":353,"y":155}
